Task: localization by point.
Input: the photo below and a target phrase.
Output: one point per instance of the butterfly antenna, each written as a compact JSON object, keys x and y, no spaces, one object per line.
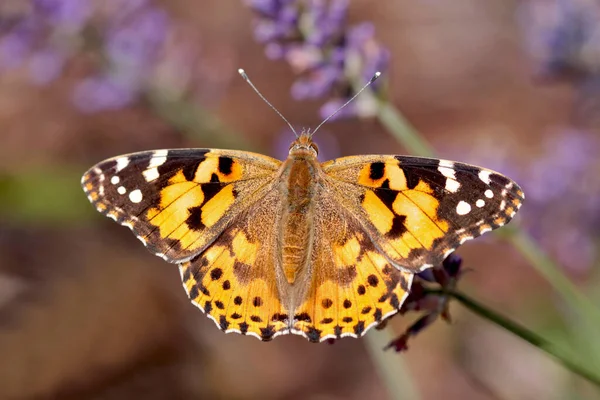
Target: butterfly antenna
{"x":373,"y":79}
{"x":245,"y":76}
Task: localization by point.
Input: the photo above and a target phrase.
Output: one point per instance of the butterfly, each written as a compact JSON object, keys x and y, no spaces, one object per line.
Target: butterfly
{"x":323,"y":250}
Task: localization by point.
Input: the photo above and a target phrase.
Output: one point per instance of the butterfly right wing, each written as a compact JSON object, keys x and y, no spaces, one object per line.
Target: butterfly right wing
{"x":418,"y":210}
{"x":178,"y":201}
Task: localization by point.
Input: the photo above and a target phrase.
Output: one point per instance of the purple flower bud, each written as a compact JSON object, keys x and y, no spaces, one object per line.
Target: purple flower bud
{"x":452,"y":265}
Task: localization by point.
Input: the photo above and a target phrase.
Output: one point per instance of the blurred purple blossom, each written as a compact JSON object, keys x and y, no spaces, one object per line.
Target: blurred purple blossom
{"x":331,"y":57}
{"x":563,"y":39}
{"x":563,"y":36}
{"x":129,"y":36}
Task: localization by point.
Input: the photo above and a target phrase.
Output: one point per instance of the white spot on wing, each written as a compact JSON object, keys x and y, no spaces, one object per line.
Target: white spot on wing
{"x":115,"y":180}
{"x":463,"y":208}
{"x":122,"y":163}
{"x":121,"y":190}
{"x":159,"y":157}
{"x":452,"y":186}
{"x":484,"y":230}
{"x":484,"y":176}
{"x":480,"y":203}
{"x":489,"y":194}
{"x":151,"y":174}
{"x":464,"y":239}
{"x":447,"y":172}
{"x":136,"y":196}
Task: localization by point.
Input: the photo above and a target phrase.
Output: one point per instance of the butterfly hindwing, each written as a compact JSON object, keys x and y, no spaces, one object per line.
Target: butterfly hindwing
{"x":234,"y":281}
{"x":421,"y":209}
{"x":353,"y":287}
{"x":177,"y":201}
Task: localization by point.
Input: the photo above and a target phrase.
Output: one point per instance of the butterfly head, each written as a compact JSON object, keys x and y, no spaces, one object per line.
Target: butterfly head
{"x":304,"y":145}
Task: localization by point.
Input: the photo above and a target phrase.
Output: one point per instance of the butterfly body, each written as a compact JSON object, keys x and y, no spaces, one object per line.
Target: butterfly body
{"x":323,"y":250}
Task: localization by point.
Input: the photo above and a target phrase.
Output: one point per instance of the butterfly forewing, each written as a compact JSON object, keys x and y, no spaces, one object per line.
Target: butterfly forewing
{"x":177,"y":201}
{"x":421,"y":209}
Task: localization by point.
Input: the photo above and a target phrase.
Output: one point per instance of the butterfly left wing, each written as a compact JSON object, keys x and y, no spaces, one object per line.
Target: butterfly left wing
{"x":178,"y":201}
{"x":234,"y":281}
{"x":418,"y":210}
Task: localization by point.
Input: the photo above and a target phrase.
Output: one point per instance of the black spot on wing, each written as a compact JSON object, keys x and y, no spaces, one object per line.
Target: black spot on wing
{"x":277,"y":317}
{"x":337,"y":330}
{"x":377,"y":170}
{"x":216,"y":274}
{"x":398,"y":227}
{"x":267,"y":333}
{"x":359,"y":328}
{"x":210,"y":190}
{"x":193,"y":292}
{"x":225,"y":164}
{"x":194,"y":220}
{"x":303,"y":317}
{"x":386,"y":196}
{"x":313,"y":334}
{"x":223,"y":323}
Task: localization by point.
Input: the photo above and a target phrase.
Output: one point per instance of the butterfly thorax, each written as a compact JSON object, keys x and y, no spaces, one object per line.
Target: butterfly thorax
{"x":297,"y":187}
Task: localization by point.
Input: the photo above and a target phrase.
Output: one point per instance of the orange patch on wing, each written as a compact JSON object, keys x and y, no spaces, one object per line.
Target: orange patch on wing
{"x":228,"y":291}
{"x":377,"y":212}
{"x":216,"y":207}
{"x":210,"y":166}
{"x":393,"y":174}
{"x":423,"y":227}
{"x":333,"y":310}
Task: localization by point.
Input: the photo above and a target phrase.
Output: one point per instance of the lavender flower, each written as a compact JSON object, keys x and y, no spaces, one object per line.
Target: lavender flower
{"x":563,"y":36}
{"x":128,"y":34}
{"x":313,"y":36}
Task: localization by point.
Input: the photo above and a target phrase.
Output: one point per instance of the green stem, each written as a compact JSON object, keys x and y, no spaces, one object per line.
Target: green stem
{"x":564,"y":356}
{"x":408,"y":136}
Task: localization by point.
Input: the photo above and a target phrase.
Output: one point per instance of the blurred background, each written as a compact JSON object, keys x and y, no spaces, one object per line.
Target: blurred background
{"x":87,"y":313}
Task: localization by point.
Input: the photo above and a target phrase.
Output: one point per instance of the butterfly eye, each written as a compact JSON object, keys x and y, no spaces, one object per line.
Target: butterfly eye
{"x":314,"y":146}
